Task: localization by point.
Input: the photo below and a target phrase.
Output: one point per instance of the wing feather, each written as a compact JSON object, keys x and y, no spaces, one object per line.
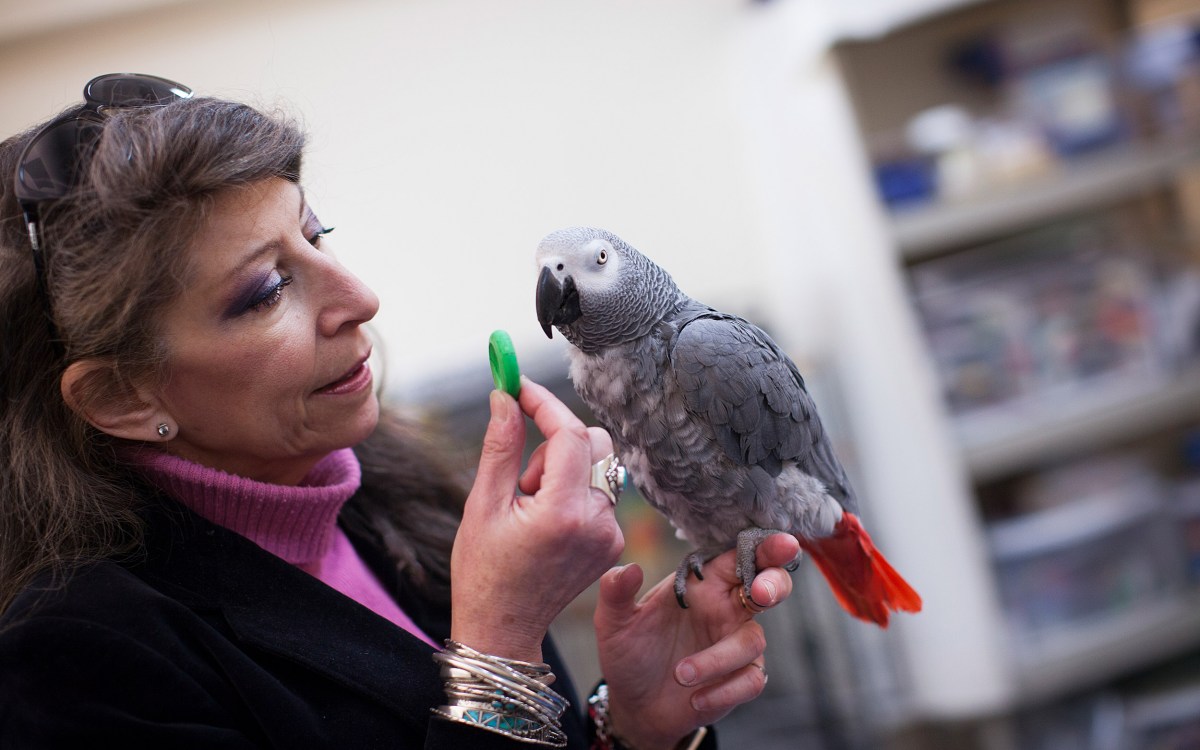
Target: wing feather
{"x":733,"y":376}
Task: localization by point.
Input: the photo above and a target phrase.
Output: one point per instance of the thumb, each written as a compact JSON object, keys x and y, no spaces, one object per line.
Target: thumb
{"x":617,"y":601}
{"x":503,"y":443}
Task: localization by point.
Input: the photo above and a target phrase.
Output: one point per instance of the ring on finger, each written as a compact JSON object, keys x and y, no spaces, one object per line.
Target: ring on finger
{"x":609,"y":476}
{"x":748,"y":603}
{"x":762,"y":668}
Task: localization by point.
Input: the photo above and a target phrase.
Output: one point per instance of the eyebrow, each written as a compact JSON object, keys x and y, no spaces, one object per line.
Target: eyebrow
{"x":270,"y":245}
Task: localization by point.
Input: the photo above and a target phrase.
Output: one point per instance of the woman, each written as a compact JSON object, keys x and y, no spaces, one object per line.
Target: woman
{"x":210,"y":534}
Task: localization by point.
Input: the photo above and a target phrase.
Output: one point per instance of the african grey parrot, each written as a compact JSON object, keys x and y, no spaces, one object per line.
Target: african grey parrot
{"x":711,"y":418}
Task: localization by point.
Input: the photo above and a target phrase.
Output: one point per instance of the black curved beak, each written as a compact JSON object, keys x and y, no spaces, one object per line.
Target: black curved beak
{"x":557,"y":303}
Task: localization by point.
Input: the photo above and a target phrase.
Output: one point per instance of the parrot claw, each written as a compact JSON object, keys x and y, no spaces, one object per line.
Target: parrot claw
{"x":691,"y":565}
{"x":794,"y":565}
{"x":747,"y":549}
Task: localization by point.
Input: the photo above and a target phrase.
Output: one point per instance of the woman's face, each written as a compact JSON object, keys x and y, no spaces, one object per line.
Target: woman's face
{"x":267,"y":363}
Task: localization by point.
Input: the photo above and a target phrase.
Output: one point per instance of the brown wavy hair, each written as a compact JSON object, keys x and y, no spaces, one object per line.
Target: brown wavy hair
{"x":116,"y":252}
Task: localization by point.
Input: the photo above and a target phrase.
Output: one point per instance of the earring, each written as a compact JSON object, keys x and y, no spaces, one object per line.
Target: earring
{"x":164,"y":429}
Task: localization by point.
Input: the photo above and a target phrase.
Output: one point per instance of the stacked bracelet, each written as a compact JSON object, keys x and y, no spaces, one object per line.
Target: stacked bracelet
{"x":501,"y":695}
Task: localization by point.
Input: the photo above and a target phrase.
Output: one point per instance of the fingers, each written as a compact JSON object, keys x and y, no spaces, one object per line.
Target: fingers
{"x":743,"y":686}
{"x":600,"y":441}
{"x":619,"y":588}
{"x":562,"y":462}
{"x":770,"y":587}
{"x":776,"y":551}
{"x":724,"y":670}
{"x":500,"y":460}
{"x":531,"y":479}
{"x":567,"y":455}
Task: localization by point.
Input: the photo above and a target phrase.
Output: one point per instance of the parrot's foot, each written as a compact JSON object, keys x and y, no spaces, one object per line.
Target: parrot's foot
{"x":794,"y":565}
{"x":747,"y":547}
{"x":691,"y":564}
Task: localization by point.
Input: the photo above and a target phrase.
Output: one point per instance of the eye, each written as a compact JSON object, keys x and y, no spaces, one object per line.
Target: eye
{"x":312,"y":227}
{"x":602,"y":257}
{"x":270,"y":296}
{"x":316,"y":236}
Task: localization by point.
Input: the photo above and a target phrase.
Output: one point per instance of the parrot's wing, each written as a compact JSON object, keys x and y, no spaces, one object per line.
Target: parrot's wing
{"x":736,"y":378}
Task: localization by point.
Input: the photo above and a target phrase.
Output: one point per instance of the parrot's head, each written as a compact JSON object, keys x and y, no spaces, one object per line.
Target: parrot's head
{"x":597,"y":290}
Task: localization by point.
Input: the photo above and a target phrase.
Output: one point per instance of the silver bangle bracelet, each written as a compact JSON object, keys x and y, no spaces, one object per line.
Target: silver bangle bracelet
{"x":518,"y":728}
{"x":524,"y":667}
{"x":530,"y":692}
{"x":501,"y":695}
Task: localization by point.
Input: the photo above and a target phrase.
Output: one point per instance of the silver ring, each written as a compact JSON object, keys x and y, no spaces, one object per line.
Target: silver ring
{"x":608,"y":476}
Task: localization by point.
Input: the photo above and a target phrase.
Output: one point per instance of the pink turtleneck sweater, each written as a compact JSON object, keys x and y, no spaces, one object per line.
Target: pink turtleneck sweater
{"x":297,"y":524}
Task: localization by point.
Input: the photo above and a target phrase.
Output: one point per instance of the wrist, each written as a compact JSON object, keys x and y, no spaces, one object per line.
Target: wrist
{"x":607,"y":733}
{"x":505,"y":643}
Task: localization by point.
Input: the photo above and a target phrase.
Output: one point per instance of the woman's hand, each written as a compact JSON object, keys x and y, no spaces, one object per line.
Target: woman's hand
{"x":671,"y":670}
{"x":519,"y":559}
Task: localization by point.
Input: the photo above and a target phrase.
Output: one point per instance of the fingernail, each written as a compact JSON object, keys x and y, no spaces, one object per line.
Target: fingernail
{"x":770,"y":587}
{"x":501,"y":406}
{"x":699,"y":702}
{"x":685,"y":673}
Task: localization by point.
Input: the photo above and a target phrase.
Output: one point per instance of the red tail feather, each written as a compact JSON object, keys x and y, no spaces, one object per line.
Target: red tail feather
{"x":862,"y":580}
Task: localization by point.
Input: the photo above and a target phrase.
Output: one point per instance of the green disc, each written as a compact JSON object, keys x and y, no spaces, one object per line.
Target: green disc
{"x":503,"y":357}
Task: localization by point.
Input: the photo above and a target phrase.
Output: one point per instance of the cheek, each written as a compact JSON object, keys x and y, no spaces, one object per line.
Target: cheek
{"x":213,"y":386}
{"x":224,"y":378}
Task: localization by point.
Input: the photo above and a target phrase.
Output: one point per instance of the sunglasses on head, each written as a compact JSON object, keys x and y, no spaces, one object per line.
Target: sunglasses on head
{"x":52,"y":161}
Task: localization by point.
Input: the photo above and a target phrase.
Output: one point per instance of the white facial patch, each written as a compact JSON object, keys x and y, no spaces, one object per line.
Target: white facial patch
{"x":598,"y":263}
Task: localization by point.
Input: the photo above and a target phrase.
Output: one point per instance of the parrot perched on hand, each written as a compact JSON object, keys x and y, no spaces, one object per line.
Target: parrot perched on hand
{"x":710,"y":417}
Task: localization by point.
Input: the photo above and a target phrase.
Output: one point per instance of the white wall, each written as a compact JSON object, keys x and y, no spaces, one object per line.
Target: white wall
{"x":448,"y":136}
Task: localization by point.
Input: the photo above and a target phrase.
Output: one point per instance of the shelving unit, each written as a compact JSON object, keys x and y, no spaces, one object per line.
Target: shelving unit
{"x":1099,"y":180}
{"x":999,"y":447}
{"x":1062,"y":662}
{"x":1004,"y":441}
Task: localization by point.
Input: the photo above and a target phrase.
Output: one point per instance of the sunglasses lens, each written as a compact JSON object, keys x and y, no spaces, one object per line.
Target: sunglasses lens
{"x":133,"y":90}
{"x":49,"y":164}
{"x":47,"y":167}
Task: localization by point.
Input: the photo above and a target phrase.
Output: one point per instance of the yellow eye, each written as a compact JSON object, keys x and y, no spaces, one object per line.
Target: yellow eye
{"x":602,"y":257}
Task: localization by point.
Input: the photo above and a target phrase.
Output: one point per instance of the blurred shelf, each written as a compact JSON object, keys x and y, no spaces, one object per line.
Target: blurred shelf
{"x":889,"y":79}
{"x":1087,"y":183}
{"x":1007,"y":439}
{"x":1057,"y":663}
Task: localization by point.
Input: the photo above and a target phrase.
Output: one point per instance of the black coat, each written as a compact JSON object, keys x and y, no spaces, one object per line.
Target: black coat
{"x":206,"y":640}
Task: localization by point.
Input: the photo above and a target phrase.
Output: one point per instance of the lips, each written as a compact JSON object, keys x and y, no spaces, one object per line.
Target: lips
{"x":354,"y":379}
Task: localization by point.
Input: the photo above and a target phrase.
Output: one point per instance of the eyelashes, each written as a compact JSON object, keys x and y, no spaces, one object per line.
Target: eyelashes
{"x":313,"y":229}
{"x":270,"y":296}
{"x":316,"y":236}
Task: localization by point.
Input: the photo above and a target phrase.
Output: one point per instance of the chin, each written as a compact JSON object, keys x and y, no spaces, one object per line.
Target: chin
{"x":364,"y":422}
{"x":345,"y":430}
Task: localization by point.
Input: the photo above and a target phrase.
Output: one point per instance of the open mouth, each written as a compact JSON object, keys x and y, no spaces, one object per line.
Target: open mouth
{"x":357,"y":378}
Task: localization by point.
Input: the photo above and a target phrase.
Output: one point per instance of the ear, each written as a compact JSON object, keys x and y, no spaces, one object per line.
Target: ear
{"x":95,"y":391}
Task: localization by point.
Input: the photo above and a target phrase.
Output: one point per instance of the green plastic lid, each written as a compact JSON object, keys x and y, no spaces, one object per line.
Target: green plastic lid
{"x":503,"y":357}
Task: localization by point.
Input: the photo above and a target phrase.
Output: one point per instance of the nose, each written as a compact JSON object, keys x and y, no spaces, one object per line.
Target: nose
{"x":348,"y":302}
{"x":553,"y":264}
